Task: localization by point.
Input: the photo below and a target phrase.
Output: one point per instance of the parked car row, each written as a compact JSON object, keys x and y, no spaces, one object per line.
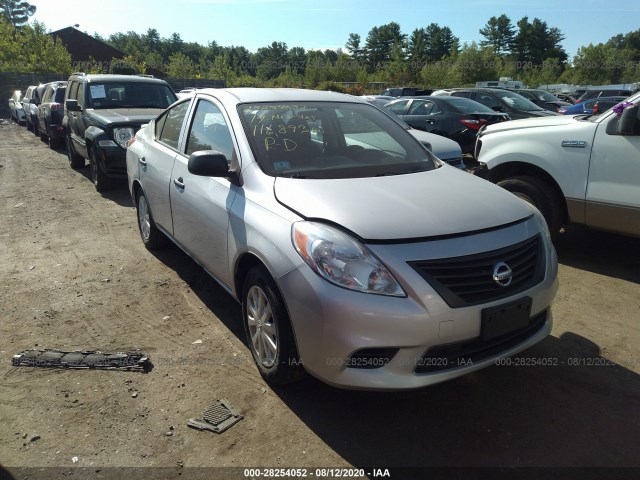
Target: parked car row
{"x":41,"y":109}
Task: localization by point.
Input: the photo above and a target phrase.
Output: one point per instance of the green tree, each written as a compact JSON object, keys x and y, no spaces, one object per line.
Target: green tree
{"x":438,"y":42}
{"x":499,"y":34}
{"x":380,"y":42}
{"x":17,"y":13}
{"x":32,"y":50}
{"x":353,"y":46}
{"x":535,"y":42}
{"x":181,"y":66}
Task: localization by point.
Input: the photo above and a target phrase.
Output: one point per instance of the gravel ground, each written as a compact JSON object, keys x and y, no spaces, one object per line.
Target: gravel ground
{"x":75,"y":275}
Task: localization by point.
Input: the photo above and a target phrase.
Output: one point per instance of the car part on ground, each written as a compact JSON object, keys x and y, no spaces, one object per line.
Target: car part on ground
{"x":92,"y":359}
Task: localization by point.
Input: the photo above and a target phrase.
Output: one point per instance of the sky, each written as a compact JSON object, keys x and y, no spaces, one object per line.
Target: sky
{"x":321,"y":24}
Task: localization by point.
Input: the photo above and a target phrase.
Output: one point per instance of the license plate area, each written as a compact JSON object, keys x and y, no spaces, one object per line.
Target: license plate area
{"x":505,"y":318}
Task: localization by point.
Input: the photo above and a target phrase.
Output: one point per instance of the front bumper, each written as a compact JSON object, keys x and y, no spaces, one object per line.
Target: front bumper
{"x":332,"y":323}
{"x":113,"y":161}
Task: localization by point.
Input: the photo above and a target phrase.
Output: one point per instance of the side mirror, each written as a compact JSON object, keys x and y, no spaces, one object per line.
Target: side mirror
{"x":208,"y":163}
{"x":497,"y":108}
{"x":72,"y":105}
{"x":629,"y":121}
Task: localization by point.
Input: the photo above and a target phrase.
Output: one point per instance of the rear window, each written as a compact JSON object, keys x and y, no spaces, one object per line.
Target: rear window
{"x":59,"y":98}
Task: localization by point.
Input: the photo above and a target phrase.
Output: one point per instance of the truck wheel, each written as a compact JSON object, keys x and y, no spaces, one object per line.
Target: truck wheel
{"x":268,"y":329}
{"x":539,"y":194}
{"x":75,"y":161}
{"x":98,"y":177}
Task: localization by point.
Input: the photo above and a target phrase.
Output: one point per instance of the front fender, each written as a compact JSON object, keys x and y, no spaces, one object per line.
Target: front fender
{"x":568,"y":166}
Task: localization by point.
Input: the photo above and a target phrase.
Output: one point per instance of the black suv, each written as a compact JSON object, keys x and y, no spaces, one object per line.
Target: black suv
{"x":102,"y":113}
{"x":505,"y":101}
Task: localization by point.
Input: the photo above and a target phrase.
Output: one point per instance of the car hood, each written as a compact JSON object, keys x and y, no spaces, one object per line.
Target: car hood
{"x":550,"y":121}
{"x":444,"y":201}
{"x":136,"y":115}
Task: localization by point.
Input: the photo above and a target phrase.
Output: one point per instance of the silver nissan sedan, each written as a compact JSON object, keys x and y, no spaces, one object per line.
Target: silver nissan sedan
{"x":357,"y":255}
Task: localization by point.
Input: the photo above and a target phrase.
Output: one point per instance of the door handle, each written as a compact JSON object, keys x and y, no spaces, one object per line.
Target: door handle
{"x":142,"y":161}
{"x":178,"y":182}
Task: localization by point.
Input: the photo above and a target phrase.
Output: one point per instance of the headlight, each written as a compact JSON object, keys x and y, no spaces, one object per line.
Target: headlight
{"x":122,"y":135}
{"x":342,"y":260}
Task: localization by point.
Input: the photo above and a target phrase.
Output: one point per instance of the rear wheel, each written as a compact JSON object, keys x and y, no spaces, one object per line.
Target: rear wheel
{"x":268,"y":329}
{"x":75,"y":160}
{"x":151,"y":236}
{"x":539,"y":194}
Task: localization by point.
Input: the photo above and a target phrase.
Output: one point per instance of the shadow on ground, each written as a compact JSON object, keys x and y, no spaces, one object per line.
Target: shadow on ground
{"x":558,"y":404}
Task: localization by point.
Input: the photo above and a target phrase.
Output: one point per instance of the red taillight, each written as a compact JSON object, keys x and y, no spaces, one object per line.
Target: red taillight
{"x":595,"y":108}
{"x":473,"y":124}
{"x":55,"y":107}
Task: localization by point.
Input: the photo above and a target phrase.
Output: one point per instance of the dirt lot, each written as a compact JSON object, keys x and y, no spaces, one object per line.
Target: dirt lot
{"x":75,"y":275}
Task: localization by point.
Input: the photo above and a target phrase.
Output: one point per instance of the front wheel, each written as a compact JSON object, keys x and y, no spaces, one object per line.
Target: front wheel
{"x":539,"y":194}
{"x":268,"y":329}
{"x":98,"y":177}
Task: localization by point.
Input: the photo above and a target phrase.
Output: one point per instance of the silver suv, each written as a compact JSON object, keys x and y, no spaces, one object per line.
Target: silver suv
{"x":357,"y":255}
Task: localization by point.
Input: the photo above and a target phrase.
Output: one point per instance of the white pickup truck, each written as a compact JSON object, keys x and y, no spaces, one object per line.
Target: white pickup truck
{"x":581,"y":169}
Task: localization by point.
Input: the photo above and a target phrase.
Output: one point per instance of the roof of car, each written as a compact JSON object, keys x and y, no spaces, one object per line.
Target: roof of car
{"x":249,"y":95}
{"x":103,"y":77}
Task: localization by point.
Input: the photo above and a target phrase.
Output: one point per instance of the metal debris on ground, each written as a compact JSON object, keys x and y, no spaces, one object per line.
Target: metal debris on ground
{"x":217,"y":418}
{"x":49,"y":358}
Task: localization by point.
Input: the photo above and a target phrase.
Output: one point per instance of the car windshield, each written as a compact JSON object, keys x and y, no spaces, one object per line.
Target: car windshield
{"x":518,"y":102}
{"x":330,"y":140}
{"x":130,"y":95}
{"x":466,"y":105}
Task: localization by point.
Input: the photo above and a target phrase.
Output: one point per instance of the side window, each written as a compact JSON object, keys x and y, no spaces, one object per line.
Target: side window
{"x":169,"y":126}
{"x":487,"y":100}
{"x":398,"y":107}
{"x":461,"y":94}
{"x":209,"y":131}
{"x":73,"y":91}
{"x":419,"y":107}
{"x":81,"y":86}
{"x":46,"y":98}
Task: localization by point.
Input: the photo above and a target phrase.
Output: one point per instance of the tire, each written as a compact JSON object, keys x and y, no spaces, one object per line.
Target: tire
{"x":268,"y":329}
{"x":75,"y":161}
{"x":539,"y":194}
{"x":44,"y":137}
{"x":151,"y":236}
{"x":36,"y":129}
{"x":29,"y":126}
{"x":98,"y":177}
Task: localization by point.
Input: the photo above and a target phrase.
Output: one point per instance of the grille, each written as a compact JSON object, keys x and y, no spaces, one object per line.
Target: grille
{"x":468,"y":280}
{"x":455,"y":355}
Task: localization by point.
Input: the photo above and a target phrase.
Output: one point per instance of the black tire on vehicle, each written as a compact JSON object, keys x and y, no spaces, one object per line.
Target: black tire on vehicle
{"x":44,"y":137}
{"x":76,"y":161}
{"x":539,"y":194}
{"x":151,"y":236}
{"x":36,"y":129}
{"x":29,"y":126}
{"x":98,"y":177}
{"x":52,"y":142}
{"x":268,"y":329}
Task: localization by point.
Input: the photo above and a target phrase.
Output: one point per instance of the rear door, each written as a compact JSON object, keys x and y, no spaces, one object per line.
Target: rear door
{"x":425,"y":115}
{"x":157,"y":161}
{"x":200,"y":205}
